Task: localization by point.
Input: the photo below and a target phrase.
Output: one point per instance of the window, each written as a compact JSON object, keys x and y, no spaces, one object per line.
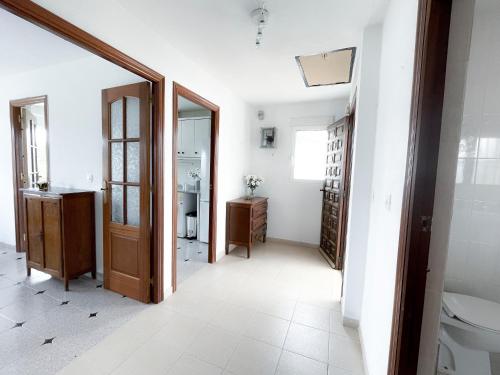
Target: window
{"x":309,"y":158}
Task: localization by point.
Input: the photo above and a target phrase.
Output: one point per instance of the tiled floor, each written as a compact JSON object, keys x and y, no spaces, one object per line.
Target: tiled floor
{"x":276,"y":313}
{"x":192,"y":256}
{"x":42,"y":327}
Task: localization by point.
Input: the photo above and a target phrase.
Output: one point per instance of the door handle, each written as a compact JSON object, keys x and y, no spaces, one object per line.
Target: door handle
{"x":323,"y":190}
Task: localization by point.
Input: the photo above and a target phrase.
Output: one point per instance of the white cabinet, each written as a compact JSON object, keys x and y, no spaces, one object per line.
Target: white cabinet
{"x":193,"y":137}
{"x":185,"y":138}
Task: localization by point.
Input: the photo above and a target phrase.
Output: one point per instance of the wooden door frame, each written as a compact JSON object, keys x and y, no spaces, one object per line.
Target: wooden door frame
{"x":15,"y":109}
{"x":179,"y":90}
{"x":431,"y":52}
{"x":47,"y":20}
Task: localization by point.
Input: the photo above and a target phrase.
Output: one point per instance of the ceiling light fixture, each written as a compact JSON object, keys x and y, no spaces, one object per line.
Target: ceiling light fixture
{"x":260,"y":16}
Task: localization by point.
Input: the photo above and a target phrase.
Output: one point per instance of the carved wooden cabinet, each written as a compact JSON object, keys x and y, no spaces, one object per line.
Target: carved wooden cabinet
{"x":246,"y":222}
{"x":60,"y":232}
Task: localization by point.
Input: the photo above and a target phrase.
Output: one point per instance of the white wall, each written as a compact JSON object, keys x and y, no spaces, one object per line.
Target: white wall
{"x":124,"y":31}
{"x":75,"y":129}
{"x":294,"y":206}
{"x":366,"y":89}
{"x":396,"y":77}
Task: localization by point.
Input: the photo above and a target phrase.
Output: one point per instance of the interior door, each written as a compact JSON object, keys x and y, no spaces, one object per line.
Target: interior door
{"x":335,"y":192}
{"x":126,"y":115}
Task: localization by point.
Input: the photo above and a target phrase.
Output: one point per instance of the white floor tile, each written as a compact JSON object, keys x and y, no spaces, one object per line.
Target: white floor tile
{"x":296,"y":364}
{"x":214,"y":345}
{"x":267,"y":328}
{"x":345,"y":353}
{"x":307,"y":341}
{"x":312,"y":316}
{"x":151,"y":358}
{"x":188,"y":365}
{"x":232,"y":318}
{"x":254,"y":358}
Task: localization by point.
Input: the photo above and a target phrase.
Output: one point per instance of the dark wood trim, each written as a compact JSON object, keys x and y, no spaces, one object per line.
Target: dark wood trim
{"x":38,"y":15}
{"x":15,"y":111}
{"x":420,"y":182}
{"x":347,"y":167}
{"x":179,"y":90}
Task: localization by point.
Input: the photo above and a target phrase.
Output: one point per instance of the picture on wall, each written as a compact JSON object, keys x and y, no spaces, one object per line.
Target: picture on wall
{"x":268,"y":137}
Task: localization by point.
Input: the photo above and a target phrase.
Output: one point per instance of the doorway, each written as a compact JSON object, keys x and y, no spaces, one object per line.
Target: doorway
{"x":39,"y":16}
{"x":30,"y":159}
{"x":195,"y":132}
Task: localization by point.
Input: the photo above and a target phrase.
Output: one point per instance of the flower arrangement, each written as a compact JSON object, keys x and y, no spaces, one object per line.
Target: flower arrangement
{"x":194,"y":173}
{"x":253,"y":182}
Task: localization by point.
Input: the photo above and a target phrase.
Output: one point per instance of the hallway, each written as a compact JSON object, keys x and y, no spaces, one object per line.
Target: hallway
{"x":276,"y":313}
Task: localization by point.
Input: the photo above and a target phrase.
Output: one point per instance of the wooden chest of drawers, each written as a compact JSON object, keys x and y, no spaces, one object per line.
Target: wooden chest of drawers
{"x":60,"y":232}
{"x":246,"y":222}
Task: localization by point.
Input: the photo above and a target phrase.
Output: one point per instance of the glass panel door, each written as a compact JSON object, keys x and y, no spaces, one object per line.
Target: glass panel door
{"x":125,"y":161}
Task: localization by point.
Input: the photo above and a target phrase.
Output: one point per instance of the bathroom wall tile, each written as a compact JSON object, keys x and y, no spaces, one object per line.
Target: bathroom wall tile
{"x":461,"y":229}
{"x":457,"y":257}
{"x":488,"y":172}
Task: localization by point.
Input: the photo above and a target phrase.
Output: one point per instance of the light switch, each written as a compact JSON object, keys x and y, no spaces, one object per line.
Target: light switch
{"x":90,"y":177}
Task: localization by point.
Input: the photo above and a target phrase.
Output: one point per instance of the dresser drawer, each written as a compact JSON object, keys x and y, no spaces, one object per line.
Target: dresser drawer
{"x":259,"y":221}
{"x":259,"y":210}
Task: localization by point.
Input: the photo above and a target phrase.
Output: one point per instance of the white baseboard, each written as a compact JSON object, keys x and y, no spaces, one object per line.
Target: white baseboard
{"x":349,"y":322}
{"x":293,"y":243}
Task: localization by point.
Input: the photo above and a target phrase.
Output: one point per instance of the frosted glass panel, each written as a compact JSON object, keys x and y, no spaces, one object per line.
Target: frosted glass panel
{"x":117,"y":119}
{"x":133,"y":205}
{"x":133,"y":161}
{"x":132,"y":117}
{"x":117,"y":203}
{"x":117,"y":161}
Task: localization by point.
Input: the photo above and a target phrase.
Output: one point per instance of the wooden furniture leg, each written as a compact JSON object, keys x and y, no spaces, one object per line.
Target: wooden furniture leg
{"x":28,"y":269}
{"x":66,"y":284}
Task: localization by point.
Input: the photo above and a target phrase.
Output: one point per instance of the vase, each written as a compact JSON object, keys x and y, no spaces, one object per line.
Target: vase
{"x":251,"y":194}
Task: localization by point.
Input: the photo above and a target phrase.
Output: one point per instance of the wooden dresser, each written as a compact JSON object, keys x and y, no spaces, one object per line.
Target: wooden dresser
{"x":246,"y":222}
{"x":60,"y":232}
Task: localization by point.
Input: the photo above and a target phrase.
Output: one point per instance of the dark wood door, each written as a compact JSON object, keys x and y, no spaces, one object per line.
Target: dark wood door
{"x":335,"y":191}
{"x":126,"y":117}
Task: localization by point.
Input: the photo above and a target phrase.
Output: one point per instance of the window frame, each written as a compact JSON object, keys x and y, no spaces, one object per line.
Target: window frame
{"x":295,"y":129}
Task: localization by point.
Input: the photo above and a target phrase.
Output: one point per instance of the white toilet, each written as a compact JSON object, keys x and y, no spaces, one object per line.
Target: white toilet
{"x":470,"y":331}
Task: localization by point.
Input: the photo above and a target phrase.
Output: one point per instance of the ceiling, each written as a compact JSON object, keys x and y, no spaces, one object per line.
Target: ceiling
{"x":220,"y":36}
{"x":27,"y":47}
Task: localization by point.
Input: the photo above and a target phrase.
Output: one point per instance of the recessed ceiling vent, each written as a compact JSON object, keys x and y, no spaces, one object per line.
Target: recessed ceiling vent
{"x":329,"y":68}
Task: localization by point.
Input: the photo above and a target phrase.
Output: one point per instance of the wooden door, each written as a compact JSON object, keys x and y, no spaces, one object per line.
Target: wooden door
{"x":34,"y":229}
{"x":126,"y":117}
{"x":52,"y":241}
{"x":335,"y":192}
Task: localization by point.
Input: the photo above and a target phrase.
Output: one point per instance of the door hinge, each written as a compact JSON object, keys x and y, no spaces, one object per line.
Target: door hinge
{"x":151,"y":281}
{"x":426,"y":223}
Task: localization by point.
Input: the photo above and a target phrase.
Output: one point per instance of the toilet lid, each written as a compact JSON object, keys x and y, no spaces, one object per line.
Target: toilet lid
{"x":475,"y":311}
